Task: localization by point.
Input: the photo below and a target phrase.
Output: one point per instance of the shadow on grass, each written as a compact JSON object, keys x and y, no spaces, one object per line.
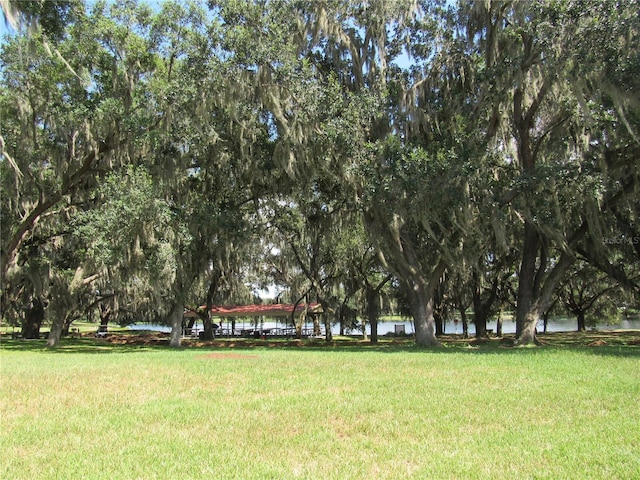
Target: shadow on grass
{"x":606,"y":343}
{"x":74,"y":345}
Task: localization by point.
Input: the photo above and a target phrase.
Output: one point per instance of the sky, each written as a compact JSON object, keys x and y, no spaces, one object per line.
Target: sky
{"x":5,"y":29}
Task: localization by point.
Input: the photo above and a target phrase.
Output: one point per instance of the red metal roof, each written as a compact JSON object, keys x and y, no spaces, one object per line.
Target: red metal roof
{"x":274,"y":310}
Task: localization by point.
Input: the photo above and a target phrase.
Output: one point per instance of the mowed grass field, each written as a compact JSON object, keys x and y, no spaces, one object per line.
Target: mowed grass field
{"x":93,"y":410}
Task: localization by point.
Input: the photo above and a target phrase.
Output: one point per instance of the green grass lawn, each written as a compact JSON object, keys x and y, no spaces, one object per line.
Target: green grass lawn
{"x":94,"y":410}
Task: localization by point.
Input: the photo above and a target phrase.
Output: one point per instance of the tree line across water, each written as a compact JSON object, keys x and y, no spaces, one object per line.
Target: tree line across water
{"x":432,"y":156}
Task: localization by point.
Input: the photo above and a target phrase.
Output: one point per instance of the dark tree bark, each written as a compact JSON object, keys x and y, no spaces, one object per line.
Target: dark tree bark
{"x":207,"y":323}
{"x":482,"y":309}
{"x":581,"y":321}
{"x":480,"y":315}
{"x":33,"y":320}
{"x":544,"y":299}
{"x":545,"y":321}
{"x":373,"y":304}
{"x":439,"y":322}
{"x":105,"y":315}
{"x":526,"y":277}
{"x":465,"y":322}
{"x":373,"y":312}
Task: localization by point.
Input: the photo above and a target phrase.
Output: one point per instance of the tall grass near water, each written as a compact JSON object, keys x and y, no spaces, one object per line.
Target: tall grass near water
{"x":97,"y":412}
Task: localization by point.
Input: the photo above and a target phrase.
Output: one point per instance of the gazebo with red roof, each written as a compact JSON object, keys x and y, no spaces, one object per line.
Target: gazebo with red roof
{"x":277,"y":310}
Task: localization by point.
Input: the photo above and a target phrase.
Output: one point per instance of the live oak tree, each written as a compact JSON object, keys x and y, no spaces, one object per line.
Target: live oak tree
{"x":67,"y":118}
{"x":352,"y":56}
{"x":561,"y":187}
{"x":129,"y":244}
{"x":201,"y":160}
{"x":587,"y":290}
{"x":213,"y":160}
{"x":456,"y":136}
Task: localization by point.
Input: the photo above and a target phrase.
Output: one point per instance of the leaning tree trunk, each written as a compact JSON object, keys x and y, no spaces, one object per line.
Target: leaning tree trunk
{"x":192,"y":323}
{"x":528,"y":332}
{"x":543,"y":300}
{"x":56,"y":332}
{"x":66,"y":327}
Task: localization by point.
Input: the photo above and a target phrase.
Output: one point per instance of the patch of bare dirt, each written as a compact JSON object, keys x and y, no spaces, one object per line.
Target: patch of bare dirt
{"x":144,"y":340}
{"x":565,"y":339}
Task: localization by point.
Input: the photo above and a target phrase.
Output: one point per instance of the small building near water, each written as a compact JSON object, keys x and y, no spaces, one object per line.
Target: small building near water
{"x":264,"y":319}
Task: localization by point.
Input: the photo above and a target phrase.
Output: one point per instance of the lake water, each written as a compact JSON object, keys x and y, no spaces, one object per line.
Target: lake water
{"x":508,"y":326}
{"x":451,"y":327}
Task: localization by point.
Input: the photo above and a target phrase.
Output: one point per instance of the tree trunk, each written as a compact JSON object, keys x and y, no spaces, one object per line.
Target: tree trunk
{"x":192,"y":323}
{"x":465,"y":322}
{"x":526,"y":277}
{"x":299,"y":324}
{"x":374,"y":330}
{"x":105,"y":314}
{"x":372,"y":312}
{"x":480,"y":322}
{"x":439,"y":323}
{"x":479,"y":312}
{"x":545,"y":321}
{"x":207,"y":323}
{"x":208,"y":333}
{"x":327,"y":328}
{"x":482,"y":309}
{"x":528,"y":333}
{"x":327,"y":318}
{"x":33,"y":320}
{"x":56,"y":332}
{"x":581,"y":321}
{"x":421,"y":301}
{"x":175,"y":320}
{"x":544,"y":299}
{"x":67,"y":325}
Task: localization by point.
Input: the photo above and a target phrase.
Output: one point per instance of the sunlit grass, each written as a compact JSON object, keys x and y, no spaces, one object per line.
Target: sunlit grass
{"x":99,"y":411}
